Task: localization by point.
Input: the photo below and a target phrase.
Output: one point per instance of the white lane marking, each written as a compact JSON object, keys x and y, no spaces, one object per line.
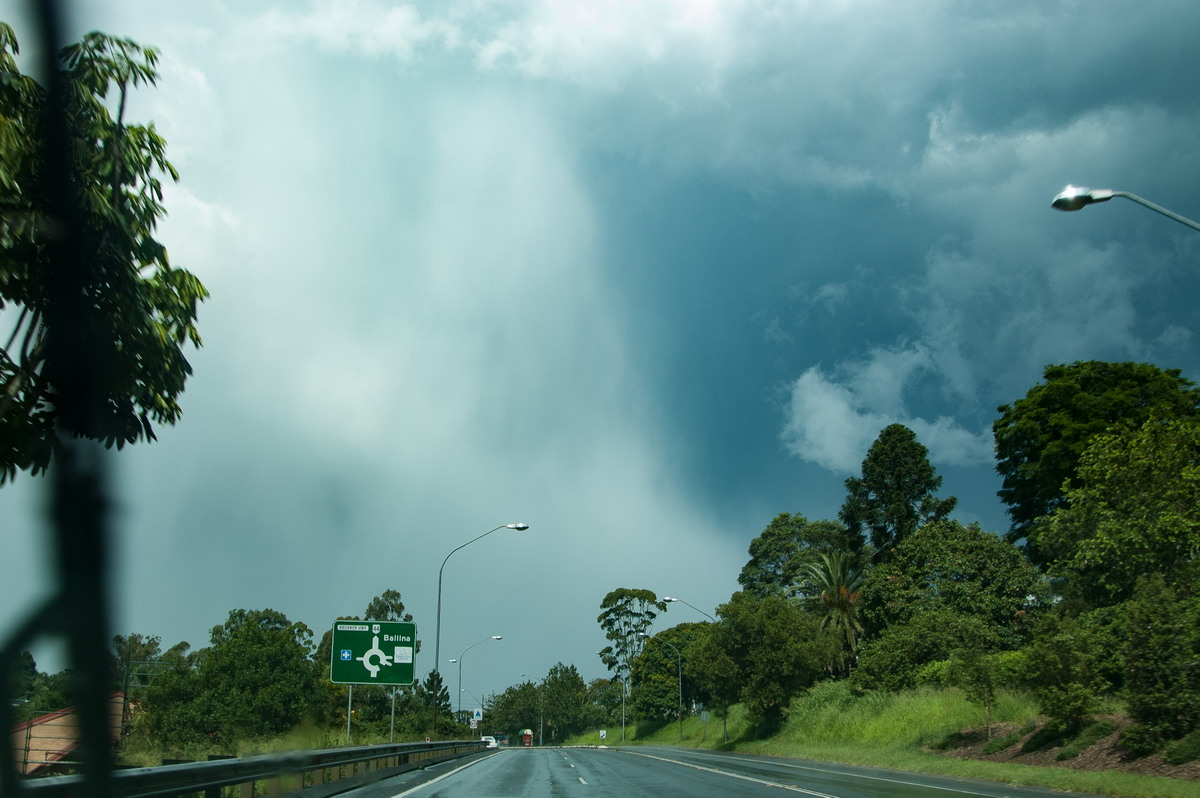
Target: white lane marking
{"x":447,"y":774}
{"x":956,"y":790}
{"x":581,"y":781}
{"x":764,"y":782}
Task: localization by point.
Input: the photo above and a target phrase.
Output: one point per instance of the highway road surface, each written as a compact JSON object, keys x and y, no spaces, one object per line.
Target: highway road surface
{"x":670,"y":772}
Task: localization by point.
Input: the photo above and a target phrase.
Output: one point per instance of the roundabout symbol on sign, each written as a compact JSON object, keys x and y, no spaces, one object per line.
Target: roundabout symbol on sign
{"x":374,"y":652}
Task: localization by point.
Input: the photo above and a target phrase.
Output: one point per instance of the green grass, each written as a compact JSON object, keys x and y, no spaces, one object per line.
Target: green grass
{"x":895,"y":731}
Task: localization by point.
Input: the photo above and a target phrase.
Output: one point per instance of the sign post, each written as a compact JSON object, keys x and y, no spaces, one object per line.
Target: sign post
{"x":373,"y":652}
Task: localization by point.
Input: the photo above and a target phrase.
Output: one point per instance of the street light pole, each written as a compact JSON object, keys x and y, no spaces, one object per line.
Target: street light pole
{"x":724,"y":706}
{"x":670,"y":600}
{"x":437,"y":637}
{"x":1073,"y":198}
{"x":679,"y":661}
{"x":459,"y":661}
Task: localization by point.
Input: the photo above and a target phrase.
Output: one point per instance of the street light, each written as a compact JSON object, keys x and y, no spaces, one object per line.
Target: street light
{"x":670,"y":600}
{"x":437,"y":638}
{"x":1073,"y":198}
{"x":459,"y":661}
{"x":679,"y":658}
{"x":724,"y":706}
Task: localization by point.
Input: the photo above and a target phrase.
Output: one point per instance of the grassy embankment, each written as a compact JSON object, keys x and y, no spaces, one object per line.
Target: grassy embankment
{"x":894,"y":731}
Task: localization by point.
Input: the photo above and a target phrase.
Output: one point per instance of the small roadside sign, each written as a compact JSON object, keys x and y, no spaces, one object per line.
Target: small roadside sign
{"x":372,"y":652}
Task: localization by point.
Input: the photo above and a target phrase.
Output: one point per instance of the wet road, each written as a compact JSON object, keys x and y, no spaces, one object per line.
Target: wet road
{"x":671,"y":773}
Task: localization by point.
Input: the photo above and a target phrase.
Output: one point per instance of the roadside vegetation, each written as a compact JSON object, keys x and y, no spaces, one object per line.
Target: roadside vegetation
{"x":915,"y":731}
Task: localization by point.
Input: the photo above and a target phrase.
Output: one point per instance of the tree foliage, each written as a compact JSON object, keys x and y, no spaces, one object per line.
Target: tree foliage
{"x":517,"y":708}
{"x":781,"y":550}
{"x":1161,"y":650}
{"x":1041,"y":437}
{"x":897,"y":658}
{"x":895,"y":494}
{"x":1061,"y":666}
{"x":564,"y":699}
{"x":626,"y":613}
{"x":656,"y":673}
{"x":1136,"y":512}
{"x":430,"y":692}
{"x":387,"y":607}
{"x":830,"y":587}
{"x":139,"y":309}
{"x":962,"y":570}
{"x":763,"y":652}
{"x":255,"y":679}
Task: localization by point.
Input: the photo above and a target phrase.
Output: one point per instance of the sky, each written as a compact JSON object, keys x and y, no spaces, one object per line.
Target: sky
{"x":640,"y":274}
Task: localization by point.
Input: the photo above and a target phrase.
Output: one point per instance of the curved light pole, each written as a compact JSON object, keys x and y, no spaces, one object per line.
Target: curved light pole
{"x":670,"y":600}
{"x":437,"y":637}
{"x":459,"y":661}
{"x":724,"y":706}
{"x":679,"y":659}
{"x":1073,"y":198}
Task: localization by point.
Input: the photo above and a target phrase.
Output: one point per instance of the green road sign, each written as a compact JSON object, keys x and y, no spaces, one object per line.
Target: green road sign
{"x":372,"y":652}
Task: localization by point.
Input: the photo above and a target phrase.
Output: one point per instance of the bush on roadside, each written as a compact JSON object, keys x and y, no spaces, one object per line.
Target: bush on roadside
{"x":1183,"y":751}
{"x":1091,"y":735}
{"x":1140,"y":740}
{"x":998,"y":744}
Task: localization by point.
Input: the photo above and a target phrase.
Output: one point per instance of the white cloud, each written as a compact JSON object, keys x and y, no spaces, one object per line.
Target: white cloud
{"x":370,"y":27}
{"x":826,"y":424}
{"x":833,"y":424}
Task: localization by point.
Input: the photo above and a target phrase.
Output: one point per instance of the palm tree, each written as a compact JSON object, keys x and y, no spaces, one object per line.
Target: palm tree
{"x":830,"y":586}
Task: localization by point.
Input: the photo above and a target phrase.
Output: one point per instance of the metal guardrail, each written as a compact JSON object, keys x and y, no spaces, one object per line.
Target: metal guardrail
{"x":285,"y":772}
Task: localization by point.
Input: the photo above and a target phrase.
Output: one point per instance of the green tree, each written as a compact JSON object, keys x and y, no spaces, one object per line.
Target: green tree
{"x":763,"y":652}
{"x":1136,"y":511}
{"x":604,"y":696}
{"x":626,"y":613}
{"x":1041,"y":437}
{"x":656,"y":673}
{"x":564,"y":700}
{"x":140,"y":310}
{"x":974,"y":671}
{"x":1061,"y":667}
{"x":255,"y":679}
{"x":897,"y":658}
{"x":387,"y":607}
{"x":1161,"y":653}
{"x":171,"y":709}
{"x":517,"y":708}
{"x":895,"y":493}
{"x":830,"y":587}
{"x":433,"y":689}
{"x":135,"y":660}
{"x":782,"y":549}
{"x":962,"y":570}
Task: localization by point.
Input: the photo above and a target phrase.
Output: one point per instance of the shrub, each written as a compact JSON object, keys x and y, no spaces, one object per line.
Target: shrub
{"x":1183,"y":751}
{"x":1162,"y":685}
{"x":1093,"y":734}
{"x":1059,"y":666}
{"x":1140,"y":740}
{"x":1046,"y":736}
{"x":998,"y":744}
